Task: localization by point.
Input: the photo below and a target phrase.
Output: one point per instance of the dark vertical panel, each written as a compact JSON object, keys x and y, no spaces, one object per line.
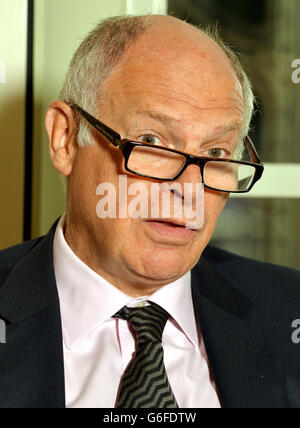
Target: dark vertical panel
{"x":29,"y":125}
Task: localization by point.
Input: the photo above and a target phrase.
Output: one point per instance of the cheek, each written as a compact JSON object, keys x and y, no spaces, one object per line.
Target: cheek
{"x":93,"y":167}
{"x":214,"y":203}
{"x":119,"y":240}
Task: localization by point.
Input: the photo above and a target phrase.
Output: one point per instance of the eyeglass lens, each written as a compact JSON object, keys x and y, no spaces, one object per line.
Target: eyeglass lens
{"x":165,"y":165}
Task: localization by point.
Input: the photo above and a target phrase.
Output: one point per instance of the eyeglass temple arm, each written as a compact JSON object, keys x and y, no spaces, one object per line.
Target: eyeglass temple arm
{"x":251,"y":146}
{"x":104,"y":130}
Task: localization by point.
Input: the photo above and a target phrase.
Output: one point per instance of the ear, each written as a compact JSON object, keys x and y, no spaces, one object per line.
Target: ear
{"x":62,"y":132}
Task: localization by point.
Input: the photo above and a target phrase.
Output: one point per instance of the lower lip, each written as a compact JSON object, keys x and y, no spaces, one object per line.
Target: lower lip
{"x":171,"y":231}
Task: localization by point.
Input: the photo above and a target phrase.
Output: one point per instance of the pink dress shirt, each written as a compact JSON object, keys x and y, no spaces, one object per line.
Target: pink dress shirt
{"x":97,"y":348}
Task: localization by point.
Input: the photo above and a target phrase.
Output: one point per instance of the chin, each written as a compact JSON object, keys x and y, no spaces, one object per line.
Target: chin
{"x":164,"y":265}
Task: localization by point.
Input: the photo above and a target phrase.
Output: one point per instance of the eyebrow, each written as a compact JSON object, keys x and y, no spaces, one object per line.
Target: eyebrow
{"x":164,"y":118}
{"x":235,"y":126}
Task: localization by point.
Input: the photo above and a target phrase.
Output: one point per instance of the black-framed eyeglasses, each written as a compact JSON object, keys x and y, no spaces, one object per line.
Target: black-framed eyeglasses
{"x":162,"y":163}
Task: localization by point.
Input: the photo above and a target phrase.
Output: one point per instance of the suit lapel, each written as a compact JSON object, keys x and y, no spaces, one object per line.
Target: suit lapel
{"x":31,"y":361}
{"x":242,"y":355}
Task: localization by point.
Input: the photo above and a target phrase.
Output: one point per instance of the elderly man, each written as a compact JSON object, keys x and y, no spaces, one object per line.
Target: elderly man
{"x":112,"y":309}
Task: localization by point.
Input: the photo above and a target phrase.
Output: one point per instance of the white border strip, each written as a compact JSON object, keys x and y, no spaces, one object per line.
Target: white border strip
{"x":278,"y":181}
{"x":140,"y":7}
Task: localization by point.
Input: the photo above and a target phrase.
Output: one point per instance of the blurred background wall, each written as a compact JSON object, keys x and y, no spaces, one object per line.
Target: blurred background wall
{"x":37,"y":39}
{"x":13,"y":62}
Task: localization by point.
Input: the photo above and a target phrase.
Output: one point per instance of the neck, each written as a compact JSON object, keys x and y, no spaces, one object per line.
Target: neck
{"x":117,"y":273}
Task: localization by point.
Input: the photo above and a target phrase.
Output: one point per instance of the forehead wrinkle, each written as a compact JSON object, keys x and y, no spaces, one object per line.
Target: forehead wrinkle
{"x":161,"y":117}
{"x":194,"y":102}
{"x":158,"y":85}
{"x":235,"y":126}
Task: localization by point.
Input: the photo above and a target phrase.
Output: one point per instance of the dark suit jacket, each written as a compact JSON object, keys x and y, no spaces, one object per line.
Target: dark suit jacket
{"x":245,"y":310}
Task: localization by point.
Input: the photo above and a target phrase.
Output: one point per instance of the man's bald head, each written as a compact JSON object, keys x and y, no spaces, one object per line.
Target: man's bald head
{"x":105,"y":47}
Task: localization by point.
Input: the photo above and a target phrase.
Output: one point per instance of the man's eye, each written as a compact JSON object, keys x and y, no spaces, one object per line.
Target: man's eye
{"x":150,"y":139}
{"x":216,"y":153}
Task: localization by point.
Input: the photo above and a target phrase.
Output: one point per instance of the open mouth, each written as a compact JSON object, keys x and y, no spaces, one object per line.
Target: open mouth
{"x":171,"y":229}
{"x":171,"y":223}
{"x":167,"y":223}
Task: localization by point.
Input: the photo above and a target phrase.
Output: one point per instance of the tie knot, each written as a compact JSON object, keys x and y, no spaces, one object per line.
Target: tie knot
{"x":148,"y":321}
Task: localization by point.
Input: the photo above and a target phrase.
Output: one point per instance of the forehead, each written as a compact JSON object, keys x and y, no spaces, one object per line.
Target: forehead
{"x":183,"y":70}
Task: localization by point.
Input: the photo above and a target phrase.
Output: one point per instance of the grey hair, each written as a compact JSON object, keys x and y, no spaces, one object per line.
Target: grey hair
{"x":102,"y":50}
{"x":249,"y":98}
{"x":93,"y":62}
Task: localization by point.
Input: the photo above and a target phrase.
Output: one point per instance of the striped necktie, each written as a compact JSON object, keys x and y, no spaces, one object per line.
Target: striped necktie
{"x":145,"y":383}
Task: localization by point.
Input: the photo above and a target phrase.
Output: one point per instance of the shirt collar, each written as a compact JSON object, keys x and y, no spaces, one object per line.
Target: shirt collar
{"x":87,"y":300}
{"x":176,"y":299}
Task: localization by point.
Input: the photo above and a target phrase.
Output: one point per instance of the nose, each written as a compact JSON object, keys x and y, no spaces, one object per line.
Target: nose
{"x":192,"y":174}
{"x":191,"y":184}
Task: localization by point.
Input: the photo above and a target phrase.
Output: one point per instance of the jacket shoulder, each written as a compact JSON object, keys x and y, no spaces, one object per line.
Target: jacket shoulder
{"x":10,"y":256}
{"x":255,"y":277}
{"x":225,"y":258}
